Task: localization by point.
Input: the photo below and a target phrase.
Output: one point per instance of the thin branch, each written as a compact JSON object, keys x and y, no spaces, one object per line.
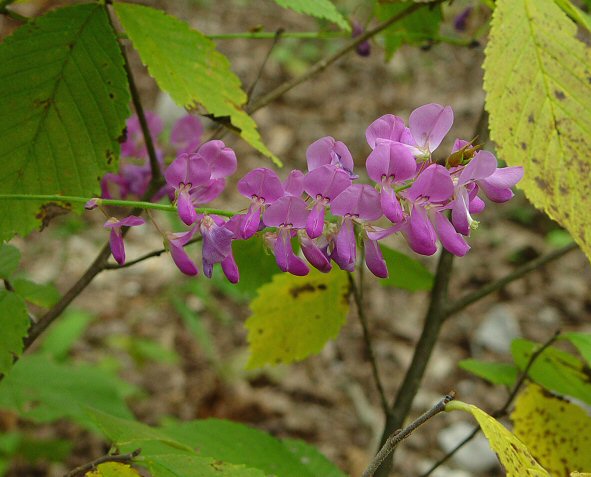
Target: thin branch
{"x":276,"y":39}
{"x":269,"y":35}
{"x":530,"y":266}
{"x":398,"y":436}
{"x":368,"y":343}
{"x":123,"y":458}
{"x":502,"y":411}
{"x":324,"y":63}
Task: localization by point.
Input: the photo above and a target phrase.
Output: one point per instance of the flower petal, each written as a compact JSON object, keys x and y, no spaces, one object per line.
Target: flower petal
{"x":185,"y":207}
{"x":497,"y":186}
{"x":289,"y":211}
{"x":391,"y":205}
{"x":187,"y":169}
{"x":419,"y":232}
{"x":374,"y":258}
{"x":221,"y":159}
{"x":230,"y":269}
{"x":360,"y":200}
{"x":387,"y":127}
{"x":481,"y":166}
{"x":117,"y":247}
{"x":326,"y":181}
{"x":429,"y":124}
{"x":390,"y":160}
{"x":315,"y":221}
{"x":186,"y":133}
{"x":450,"y":239}
{"x":294,"y":184}
{"x":327,"y":150}
{"x":434,"y":184}
{"x":262,"y":183}
{"x":314,"y":254}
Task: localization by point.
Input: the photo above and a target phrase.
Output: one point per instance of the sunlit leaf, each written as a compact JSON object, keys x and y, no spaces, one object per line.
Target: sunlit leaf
{"x":113,"y":469}
{"x":293,"y":317}
{"x":495,"y":373}
{"x":317,"y":8}
{"x":554,"y":369}
{"x":405,"y":272}
{"x":538,"y":84}
{"x":187,"y":66}
{"x":63,"y":107}
{"x":512,"y":453}
{"x":556,"y":432}
{"x":15,"y":323}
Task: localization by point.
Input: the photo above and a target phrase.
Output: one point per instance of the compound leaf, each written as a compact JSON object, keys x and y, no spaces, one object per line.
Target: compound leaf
{"x":513,"y":454}
{"x":316,"y":8}
{"x":186,"y":65}
{"x":63,"y":105}
{"x":538,"y":84}
{"x":553,"y":429}
{"x":14,"y":323}
{"x":293,"y":317}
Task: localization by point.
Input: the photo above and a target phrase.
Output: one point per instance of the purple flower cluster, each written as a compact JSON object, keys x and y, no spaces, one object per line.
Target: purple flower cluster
{"x":327,"y":211}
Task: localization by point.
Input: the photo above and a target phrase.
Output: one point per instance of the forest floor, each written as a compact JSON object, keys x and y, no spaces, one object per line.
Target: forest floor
{"x":328,"y":400}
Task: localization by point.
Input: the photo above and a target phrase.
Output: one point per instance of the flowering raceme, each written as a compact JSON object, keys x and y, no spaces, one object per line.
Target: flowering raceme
{"x":327,"y":210}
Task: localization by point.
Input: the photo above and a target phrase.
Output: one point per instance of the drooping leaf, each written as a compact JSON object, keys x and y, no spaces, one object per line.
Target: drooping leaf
{"x":414,"y":29}
{"x":317,"y":8}
{"x":293,"y":317}
{"x":44,"y":295}
{"x":538,"y":84}
{"x":582,"y":342}
{"x":554,"y":369}
{"x":41,"y":390}
{"x":495,"y":373}
{"x":239,"y":444}
{"x":63,"y":105}
{"x":14,"y":324}
{"x":113,"y":469}
{"x":555,"y":431}
{"x":187,"y":66}
{"x":405,"y":272}
{"x":512,"y":453}
{"x":59,"y":339}
{"x":9,"y":259}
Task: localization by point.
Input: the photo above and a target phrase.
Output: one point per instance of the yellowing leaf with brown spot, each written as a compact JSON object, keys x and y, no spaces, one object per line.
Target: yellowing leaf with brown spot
{"x":513,"y":454}
{"x":113,"y":469}
{"x":538,"y":84}
{"x":557,"y":432}
{"x":293,"y":317}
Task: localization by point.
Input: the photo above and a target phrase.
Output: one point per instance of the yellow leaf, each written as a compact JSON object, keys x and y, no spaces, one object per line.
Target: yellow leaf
{"x":580,"y":474}
{"x":113,"y":469}
{"x":513,"y":454}
{"x":538,"y":84}
{"x":557,"y":432}
{"x":293,"y":317}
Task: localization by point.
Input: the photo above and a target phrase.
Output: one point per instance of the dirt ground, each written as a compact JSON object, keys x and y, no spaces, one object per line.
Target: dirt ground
{"x":328,"y":400}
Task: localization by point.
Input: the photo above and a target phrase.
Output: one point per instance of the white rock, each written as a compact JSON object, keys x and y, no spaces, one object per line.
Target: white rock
{"x":476,"y":456}
{"x":498,"y":329}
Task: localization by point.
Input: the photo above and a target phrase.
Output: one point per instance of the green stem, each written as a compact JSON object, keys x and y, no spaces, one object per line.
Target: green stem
{"x":121,"y":203}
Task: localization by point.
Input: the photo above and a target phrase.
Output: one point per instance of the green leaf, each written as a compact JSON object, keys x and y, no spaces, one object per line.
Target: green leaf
{"x":113,"y":469}
{"x":582,"y":342}
{"x":553,"y":430}
{"x":14,"y":323}
{"x":180,"y":465}
{"x":495,"y":373}
{"x":538,"y":84}
{"x":9,"y":259}
{"x":414,"y":29}
{"x":405,"y":272}
{"x":45,"y":295}
{"x":293,"y":317}
{"x":186,"y":65}
{"x":64,"y":333}
{"x":554,"y":369}
{"x":239,"y":444}
{"x":43,"y":391}
{"x":63,"y":105}
{"x":256,"y":265}
{"x":578,"y":15}
{"x":316,"y":8}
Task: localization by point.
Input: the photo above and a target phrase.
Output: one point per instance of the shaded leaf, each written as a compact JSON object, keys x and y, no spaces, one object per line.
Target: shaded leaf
{"x":538,"y":84}
{"x":316,"y":8}
{"x":256,"y":265}
{"x":63,"y":105}
{"x":41,"y":390}
{"x":554,"y":369}
{"x":316,"y":462}
{"x":44,"y":295}
{"x":512,"y":453}
{"x":9,"y":259}
{"x":293,"y":317}
{"x":414,"y":29}
{"x":181,"y":465}
{"x":113,"y":469}
{"x":405,"y":272}
{"x":554,"y":430}
{"x":61,"y":336}
{"x":495,"y":373}
{"x":187,"y":66}
{"x":14,"y":325}
{"x":582,"y":342}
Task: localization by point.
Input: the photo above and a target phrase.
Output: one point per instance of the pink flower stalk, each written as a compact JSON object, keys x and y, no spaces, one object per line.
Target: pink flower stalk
{"x":116,"y":237}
